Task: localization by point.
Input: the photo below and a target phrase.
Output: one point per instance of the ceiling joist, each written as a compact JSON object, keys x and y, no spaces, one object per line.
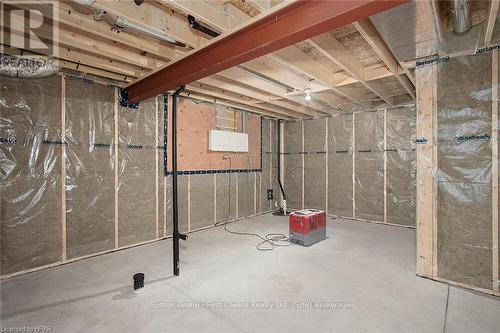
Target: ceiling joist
{"x":263,"y":97}
{"x":371,"y":35}
{"x":282,"y":26}
{"x":337,"y":53}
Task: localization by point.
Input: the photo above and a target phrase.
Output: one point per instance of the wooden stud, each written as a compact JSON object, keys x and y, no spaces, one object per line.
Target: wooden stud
{"x":116,"y":165}
{"x":436,"y":167}
{"x":371,"y":221}
{"x":467,"y":286}
{"x":237,"y":183}
{"x":491,"y":20}
{"x":426,"y":153}
{"x":326,"y":165}
{"x":495,"y":166}
{"x":385,"y":165}
{"x":63,"y":167}
{"x":157,"y":178}
{"x":353,"y":166}
{"x":260,"y":192}
{"x":255,"y":192}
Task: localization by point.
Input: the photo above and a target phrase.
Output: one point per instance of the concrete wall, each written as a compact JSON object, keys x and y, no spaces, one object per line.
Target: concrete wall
{"x":82,"y":175}
{"x":359,"y":165}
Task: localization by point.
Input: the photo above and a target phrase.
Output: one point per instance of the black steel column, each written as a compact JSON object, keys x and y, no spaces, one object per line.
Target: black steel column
{"x":175,"y":235}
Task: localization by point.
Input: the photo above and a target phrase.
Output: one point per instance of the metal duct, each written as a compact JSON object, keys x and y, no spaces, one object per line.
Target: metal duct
{"x":461,"y":15}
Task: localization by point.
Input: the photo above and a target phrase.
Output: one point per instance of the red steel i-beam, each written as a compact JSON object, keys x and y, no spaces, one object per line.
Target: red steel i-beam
{"x":291,"y":24}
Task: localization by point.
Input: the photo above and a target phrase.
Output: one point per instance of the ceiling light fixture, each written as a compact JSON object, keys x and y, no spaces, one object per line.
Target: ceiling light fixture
{"x":307,"y":92}
{"x":122,"y":24}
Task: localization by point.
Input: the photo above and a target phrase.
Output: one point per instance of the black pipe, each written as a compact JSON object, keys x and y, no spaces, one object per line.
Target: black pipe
{"x":200,"y":27}
{"x":279,"y":161}
{"x":175,"y":234}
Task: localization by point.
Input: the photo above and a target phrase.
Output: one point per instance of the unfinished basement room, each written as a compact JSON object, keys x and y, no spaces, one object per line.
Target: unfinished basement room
{"x":249,"y":166}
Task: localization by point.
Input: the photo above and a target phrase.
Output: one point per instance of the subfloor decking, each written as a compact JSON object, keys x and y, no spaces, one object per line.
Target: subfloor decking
{"x":363,"y":273}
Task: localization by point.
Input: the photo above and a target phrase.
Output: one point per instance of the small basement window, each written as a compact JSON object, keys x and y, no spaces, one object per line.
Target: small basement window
{"x":226,"y":119}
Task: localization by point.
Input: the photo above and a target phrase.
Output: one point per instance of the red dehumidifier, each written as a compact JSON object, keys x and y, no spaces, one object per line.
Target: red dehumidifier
{"x":307,"y":226}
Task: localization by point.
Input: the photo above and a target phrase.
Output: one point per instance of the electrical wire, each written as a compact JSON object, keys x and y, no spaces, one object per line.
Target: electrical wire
{"x":269,"y":241}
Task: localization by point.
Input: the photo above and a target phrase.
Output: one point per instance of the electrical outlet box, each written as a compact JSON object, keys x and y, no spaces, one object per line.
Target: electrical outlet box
{"x":270,"y":195}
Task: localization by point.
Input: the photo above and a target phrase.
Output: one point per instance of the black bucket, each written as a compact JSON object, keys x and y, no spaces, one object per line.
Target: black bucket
{"x":138,"y":281}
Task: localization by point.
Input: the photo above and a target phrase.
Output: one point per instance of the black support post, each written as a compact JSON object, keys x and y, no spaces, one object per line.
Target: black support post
{"x":175,"y":235}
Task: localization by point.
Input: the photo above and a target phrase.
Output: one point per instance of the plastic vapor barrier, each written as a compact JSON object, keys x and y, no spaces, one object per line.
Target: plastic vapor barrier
{"x":340,"y":199}
{"x":401,"y":165}
{"x":60,"y":180}
{"x":30,"y":164}
{"x":226,"y":197}
{"x":137,"y":167}
{"x":202,"y":201}
{"x":369,"y":165}
{"x":82,"y":175}
{"x":463,"y":174}
{"x":370,"y":159}
{"x":90,"y":168}
{"x":315,"y":163}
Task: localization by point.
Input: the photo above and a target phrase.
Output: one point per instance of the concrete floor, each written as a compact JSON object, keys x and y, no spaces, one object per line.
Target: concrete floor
{"x":365,"y":271}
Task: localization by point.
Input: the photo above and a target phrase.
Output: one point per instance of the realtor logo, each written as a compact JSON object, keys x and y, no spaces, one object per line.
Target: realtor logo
{"x":29,"y":26}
